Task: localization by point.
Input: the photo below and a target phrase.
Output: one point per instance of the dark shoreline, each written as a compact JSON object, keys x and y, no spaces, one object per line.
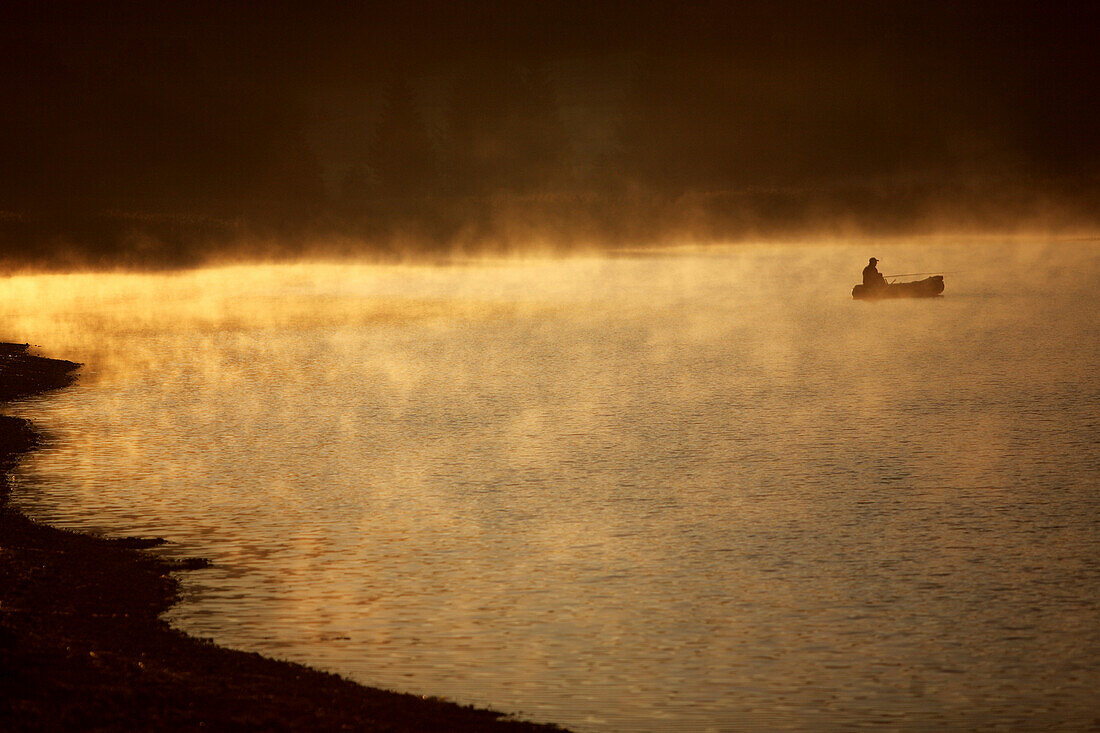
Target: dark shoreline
{"x":82,"y":645}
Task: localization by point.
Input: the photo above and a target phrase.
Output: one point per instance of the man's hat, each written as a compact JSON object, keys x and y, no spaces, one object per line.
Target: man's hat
{"x":873,"y":260}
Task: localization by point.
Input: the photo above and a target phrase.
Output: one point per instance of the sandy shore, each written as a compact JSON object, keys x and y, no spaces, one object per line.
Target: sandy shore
{"x":82,"y":645}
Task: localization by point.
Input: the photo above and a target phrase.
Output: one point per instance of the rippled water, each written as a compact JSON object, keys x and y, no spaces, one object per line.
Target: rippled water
{"x":698,"y":489}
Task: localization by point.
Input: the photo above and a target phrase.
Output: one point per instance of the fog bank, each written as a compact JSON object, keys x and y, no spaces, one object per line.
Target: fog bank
{"x":166,"y":136}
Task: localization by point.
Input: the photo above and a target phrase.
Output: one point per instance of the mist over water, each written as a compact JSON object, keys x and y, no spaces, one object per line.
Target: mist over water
{"x":684,"y":487}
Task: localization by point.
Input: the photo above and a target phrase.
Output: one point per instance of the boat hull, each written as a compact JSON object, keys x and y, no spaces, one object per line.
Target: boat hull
{"x":929,"y":287}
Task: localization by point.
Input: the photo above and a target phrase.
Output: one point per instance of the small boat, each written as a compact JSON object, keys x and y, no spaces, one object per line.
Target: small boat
{"x":929,"y":287}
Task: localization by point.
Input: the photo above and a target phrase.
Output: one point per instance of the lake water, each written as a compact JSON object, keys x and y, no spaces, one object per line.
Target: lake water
{"x":679,"y":489}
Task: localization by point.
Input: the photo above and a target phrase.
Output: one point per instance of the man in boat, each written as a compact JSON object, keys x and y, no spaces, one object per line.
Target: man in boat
{"x":872,"y":278}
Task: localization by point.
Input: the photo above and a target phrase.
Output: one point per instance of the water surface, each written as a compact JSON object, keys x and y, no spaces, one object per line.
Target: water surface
{"x":697,"y":489}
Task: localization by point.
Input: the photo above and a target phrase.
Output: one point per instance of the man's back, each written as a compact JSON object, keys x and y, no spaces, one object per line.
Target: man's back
{"x":872,"y":278}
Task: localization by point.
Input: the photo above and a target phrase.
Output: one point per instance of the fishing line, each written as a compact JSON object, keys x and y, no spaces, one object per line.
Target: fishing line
{"x":937,"y":272}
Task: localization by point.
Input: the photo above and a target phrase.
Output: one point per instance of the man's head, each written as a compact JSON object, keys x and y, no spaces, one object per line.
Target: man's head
{"x":873,"y":261}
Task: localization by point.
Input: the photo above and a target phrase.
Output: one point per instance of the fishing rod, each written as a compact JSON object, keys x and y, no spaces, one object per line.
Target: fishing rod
{"x":914,"y":274}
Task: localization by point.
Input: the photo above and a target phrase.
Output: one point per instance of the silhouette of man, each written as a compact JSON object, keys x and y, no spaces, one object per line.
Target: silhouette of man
{"x":872,"y":278}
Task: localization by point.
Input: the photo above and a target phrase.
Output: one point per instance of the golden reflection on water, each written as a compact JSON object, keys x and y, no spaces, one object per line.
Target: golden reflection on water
{"x":695,"y":487}
{"x":88,"y":315}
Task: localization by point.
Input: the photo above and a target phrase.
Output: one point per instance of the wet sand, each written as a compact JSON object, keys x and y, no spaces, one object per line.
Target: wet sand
{"x":82,"y":645}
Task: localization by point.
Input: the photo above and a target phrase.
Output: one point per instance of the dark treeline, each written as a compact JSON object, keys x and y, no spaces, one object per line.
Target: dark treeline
{"x":167,"y":134}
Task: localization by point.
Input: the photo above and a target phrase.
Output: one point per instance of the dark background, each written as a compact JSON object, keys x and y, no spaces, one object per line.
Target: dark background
{"x":165,"y":134}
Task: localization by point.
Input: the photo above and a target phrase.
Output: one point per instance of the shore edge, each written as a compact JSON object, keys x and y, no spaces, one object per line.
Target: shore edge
{"x":82,"y":645}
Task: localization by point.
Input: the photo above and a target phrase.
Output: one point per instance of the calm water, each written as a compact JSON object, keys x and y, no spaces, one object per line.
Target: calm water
{"x":690,"y":489}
